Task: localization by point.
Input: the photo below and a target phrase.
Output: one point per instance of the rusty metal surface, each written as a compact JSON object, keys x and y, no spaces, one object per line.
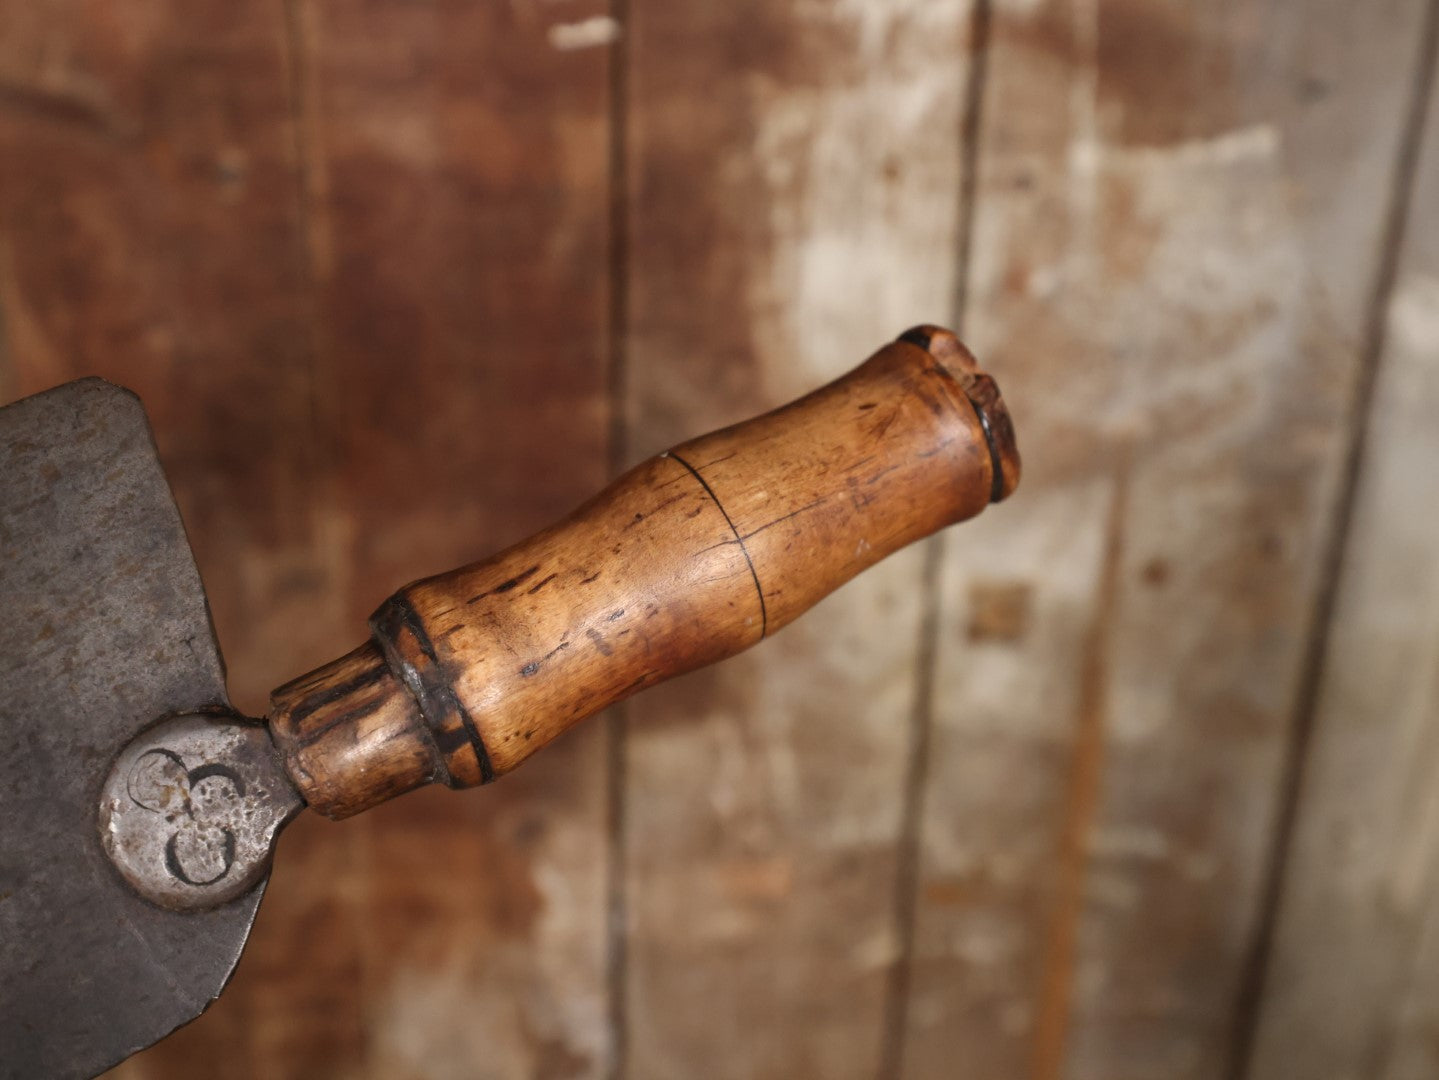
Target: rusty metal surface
{"x":104,"y":629}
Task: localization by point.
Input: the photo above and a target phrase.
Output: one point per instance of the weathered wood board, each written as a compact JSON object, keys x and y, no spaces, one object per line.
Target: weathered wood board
{"x":357,"y":257}
{"x":454,"y":161}
{"x":149,"y":226}
{"x":793,"y":199}
{"x":1179,"y":220}
{"x":150,"y":232}
{"x":1351,"y":989}
{"x":353,"y":256}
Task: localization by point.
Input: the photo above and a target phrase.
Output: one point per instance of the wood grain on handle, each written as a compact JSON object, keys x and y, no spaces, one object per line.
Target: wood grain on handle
{"x":687,"y":559}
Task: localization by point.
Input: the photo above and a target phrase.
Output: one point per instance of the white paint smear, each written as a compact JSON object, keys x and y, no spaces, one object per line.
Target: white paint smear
{"x":1257,"y":142}
{"x":585,"y":34}
{"x":1414,"y":315}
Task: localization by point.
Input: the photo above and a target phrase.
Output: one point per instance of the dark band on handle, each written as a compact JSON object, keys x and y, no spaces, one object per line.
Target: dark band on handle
{"x":406,"y":645}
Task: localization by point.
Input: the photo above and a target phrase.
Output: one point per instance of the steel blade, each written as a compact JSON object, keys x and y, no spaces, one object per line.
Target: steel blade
{"x":104,"y":629}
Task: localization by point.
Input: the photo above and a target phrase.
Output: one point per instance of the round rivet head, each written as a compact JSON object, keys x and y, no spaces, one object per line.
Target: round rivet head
{"x":190,"y":810}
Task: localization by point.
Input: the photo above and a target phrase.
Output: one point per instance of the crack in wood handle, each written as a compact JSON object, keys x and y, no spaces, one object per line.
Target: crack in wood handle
{"x":687,"y":559}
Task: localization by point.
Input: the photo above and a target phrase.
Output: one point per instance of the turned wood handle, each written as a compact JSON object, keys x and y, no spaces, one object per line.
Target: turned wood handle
{"x":688,"y":558}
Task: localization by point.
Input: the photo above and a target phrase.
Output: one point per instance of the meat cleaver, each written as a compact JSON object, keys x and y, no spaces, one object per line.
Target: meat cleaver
{"x":138,"y":810}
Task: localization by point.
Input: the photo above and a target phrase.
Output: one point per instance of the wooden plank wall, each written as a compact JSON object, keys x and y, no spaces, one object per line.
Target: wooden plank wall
{"x":1163,"y":193}
{"x":1131,"y":778}
{"x":354,"y":258}
{"x":781,"y":223}
{"x":1352,"y":988}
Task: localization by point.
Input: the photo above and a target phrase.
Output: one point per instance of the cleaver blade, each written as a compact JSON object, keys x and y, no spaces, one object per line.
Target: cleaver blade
{"x":105,"y":628}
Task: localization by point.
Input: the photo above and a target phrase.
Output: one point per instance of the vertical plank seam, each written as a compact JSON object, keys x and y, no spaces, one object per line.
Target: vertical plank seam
{"x":617,"y":387}
{"x":299,"y":93}
{"x":1381,"y":1056}
{"x":309,"y":253}
{"x":1255,"y":971}
{"x":906,"y":888}
{"x":899,"y":986}
{"x":7,"y":370}
{"x":971,"y":129}
{"x":1081,"y":804}
{"x":312,"y":255}
{"x":1380,"y":1063}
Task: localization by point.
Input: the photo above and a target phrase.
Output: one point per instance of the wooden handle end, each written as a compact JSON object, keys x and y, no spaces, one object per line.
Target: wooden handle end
{"x":983,"y":392}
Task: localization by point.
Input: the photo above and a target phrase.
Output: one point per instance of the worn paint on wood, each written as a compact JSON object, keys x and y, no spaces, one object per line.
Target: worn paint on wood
{"x":793,"y":202}
{"x":455,"y":166}
{"x":354,"y":256}
{"x":1350,"y":990}
{"x":150,"y":232}
{"x":1179,"y":219}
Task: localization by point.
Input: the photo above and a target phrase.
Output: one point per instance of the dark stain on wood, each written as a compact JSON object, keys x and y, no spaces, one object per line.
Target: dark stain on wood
{"x":1166,"y":71}
{"x":1056,"y":985}
{"x":1155,"y":572}
{"x":541,"y":584}
{"x":507,"y":585}
{"x":1000,"y":611}
{"x":604,"y":648}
